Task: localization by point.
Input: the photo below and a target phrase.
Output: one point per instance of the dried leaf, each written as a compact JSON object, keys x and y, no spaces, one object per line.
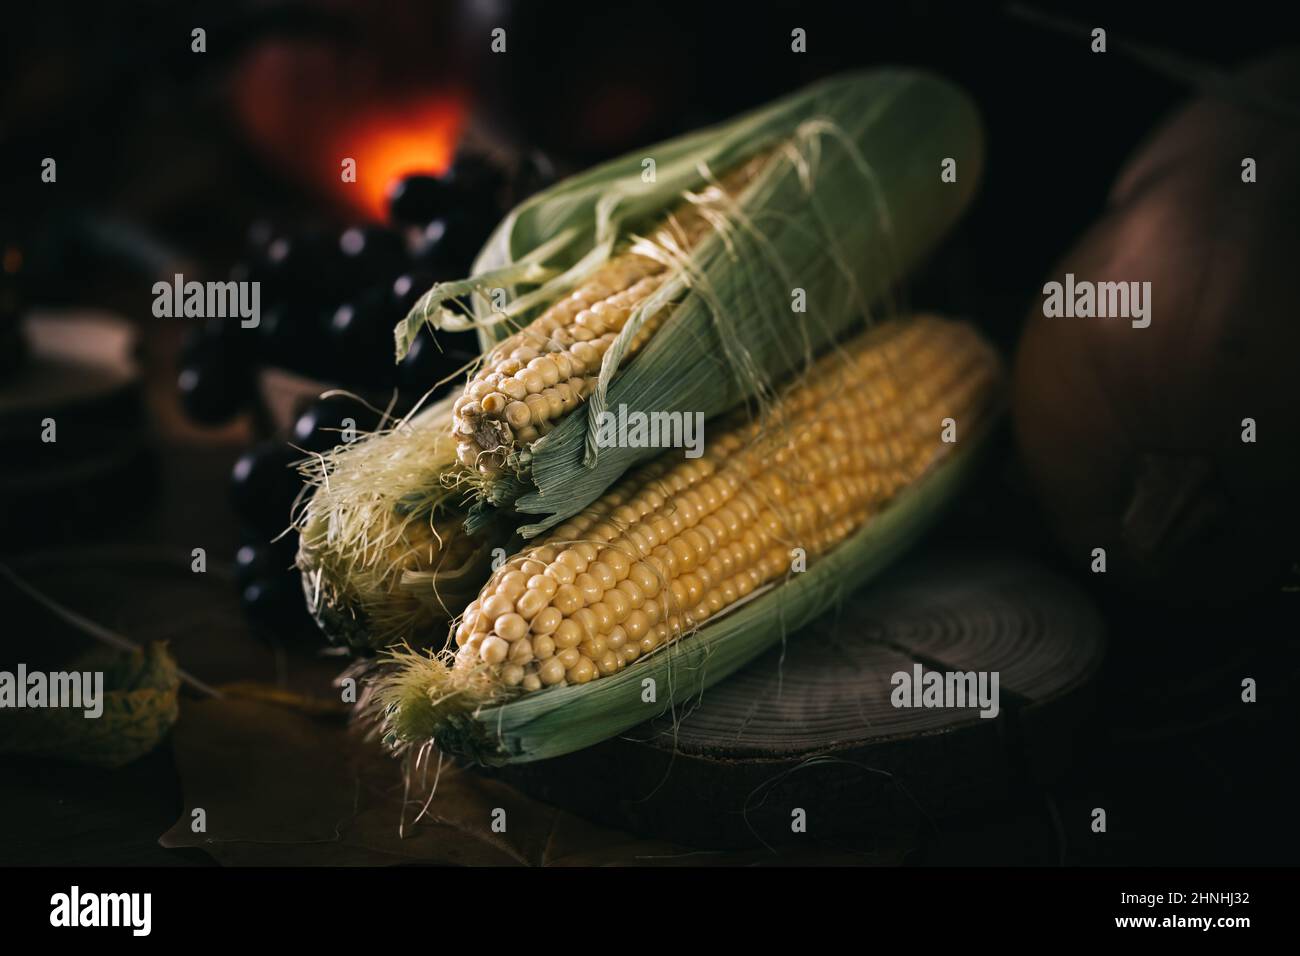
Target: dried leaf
{"x":140,"y":705}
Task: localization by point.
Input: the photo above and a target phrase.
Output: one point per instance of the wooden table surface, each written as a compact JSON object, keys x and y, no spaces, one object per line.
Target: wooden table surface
{"x":1187,"y":772}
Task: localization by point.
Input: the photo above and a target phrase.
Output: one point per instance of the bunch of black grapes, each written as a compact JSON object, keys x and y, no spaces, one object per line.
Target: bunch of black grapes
{"x":329,"y":302}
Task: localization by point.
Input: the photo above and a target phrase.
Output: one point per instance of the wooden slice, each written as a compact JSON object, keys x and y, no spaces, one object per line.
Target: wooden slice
{"x":810,"y":726}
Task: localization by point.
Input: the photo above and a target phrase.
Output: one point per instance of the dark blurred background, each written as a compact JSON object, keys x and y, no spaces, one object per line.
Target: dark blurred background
{"x":226,"y":164}
{"x":195,"y":147}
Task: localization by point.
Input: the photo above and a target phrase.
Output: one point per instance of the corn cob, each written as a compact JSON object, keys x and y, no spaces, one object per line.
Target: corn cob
{"x":834,"y":219}
{"x":836,"y":169}
{"x":530,"y":381}
{"x":680,"y":541}
{"x":399,"y":599}
{"x":382,"y":551}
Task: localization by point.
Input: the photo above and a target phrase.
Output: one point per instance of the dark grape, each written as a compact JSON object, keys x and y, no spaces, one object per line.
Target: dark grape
{"x":269,"y":292}
{"x":430,"y":359}
{"x":416,"y":199}
{"x":361,"y":323}
{"x":407,"y":289}
{"x":362,"y":337}
{"x":224,"y":335}
{"x":264,"y":485}
{"x":434,"y":252}
{"x":306,"y":268}
{"x":207,"y":395}
{"x":261,"y":557}
{"x":448,"y":245}
{"x":330,"y":421}
{"x":215,"y":380}
{"x":273,"y":601}
{"x":370,"y":252}
{"x":276,"y":602}
{"x":474,"y":176}
{"x":294,"y":335}
{"x":252,"y":561}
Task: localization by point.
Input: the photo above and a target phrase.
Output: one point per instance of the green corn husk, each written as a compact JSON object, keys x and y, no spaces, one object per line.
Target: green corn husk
{"x":850,"y":203}
{"x":560,"y":720}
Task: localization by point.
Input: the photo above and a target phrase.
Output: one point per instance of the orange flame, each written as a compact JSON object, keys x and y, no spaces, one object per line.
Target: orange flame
{"x":388,"y":144}
{"x":307,"y":115}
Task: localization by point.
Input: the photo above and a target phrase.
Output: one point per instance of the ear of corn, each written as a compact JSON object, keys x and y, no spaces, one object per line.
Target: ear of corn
{"x":382,"y":549}
{"x":687,"y":563}
{"x":833,"y":192}
{"x":843,"y":196}
{"x":543,"y":372}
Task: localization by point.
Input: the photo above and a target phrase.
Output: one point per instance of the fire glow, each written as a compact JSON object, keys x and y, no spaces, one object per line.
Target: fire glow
{"x":307,"y":115}
{"x":389,"y":144}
